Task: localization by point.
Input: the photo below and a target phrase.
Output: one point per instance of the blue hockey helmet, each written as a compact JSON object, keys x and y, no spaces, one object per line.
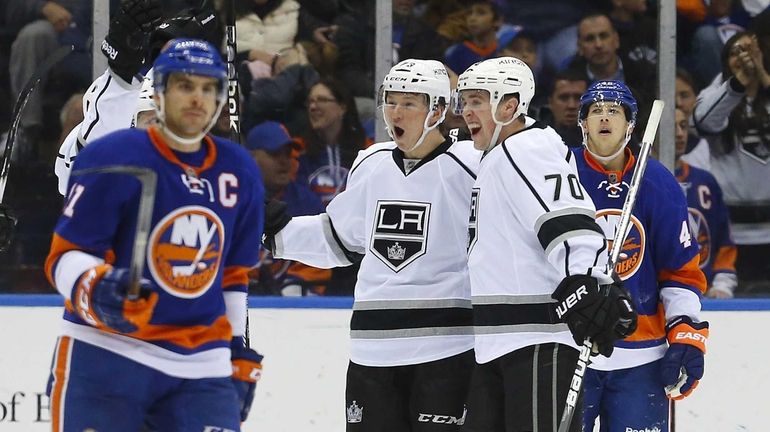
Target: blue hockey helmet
{"x":609,"y":91}
{"x":189,"y":56}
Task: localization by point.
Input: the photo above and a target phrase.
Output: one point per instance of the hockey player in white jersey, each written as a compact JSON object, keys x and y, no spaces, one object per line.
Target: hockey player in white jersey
{"x":115,"y":99}
{"x":536,"y":259}
{"x":404,"y":215}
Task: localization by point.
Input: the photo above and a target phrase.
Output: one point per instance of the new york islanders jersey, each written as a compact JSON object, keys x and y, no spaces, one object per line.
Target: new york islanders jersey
{"x":407,"y":220}
{"x":205,"y":235}
{"x":659,"y":258}
{"x":709,"y":220}
{"x":531,"y":225}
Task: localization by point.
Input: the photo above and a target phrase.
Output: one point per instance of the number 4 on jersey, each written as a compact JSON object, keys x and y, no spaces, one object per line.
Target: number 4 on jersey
{"x":684,"y":235}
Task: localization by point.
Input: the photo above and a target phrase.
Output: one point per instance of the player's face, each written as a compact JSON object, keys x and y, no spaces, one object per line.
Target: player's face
{"x":190,"y":103}
{"x":597,"y":40}
{"x":324,"y":110}
{"x":477,"y":113}
{"x":681,"y":133}
{"x":565,"y":102}
{"x":405,"y":114}
{"x":606,"y":125}
{"x":275,"y":167}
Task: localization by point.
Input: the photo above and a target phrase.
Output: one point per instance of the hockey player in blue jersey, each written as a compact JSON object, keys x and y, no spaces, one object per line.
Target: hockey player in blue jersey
{"x":658,"y":264}
{"x":175,"y":358}
{"x":709,"y":219}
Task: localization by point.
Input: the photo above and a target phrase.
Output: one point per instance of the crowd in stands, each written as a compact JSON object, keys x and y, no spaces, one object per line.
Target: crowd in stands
{"x":307,"y":81}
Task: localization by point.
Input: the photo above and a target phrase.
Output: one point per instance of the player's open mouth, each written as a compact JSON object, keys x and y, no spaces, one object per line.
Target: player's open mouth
{"x":474,"y":129}
{"x":398,"y":131}
{"x":605,"y":131}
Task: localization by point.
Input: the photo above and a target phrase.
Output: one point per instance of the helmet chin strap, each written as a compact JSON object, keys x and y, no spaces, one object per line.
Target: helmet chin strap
{"x":606,"y":159}
{"x":498,"y":128}
{"x":186,"y":141}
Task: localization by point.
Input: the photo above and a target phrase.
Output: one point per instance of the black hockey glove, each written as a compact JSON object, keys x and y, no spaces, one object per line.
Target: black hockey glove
{"x":124,"y":45}
{"x":604,"y":313}
{"x":7,"y":225}
{"x":276,"y":217}
{"x":189,"y":23}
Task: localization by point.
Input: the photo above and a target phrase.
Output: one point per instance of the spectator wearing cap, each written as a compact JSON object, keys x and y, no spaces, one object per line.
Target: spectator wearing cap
{"x":515,"y":41}
{"x":275,"y":152}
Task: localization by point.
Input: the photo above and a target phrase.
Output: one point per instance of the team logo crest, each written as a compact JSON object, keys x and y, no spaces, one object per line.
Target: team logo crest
{"x":400,"y":232}
{"x":700,"y":227}
{"x":755,"y":144}
{"x":185,"y":251}
{"x":632,"y":252}
{"x":328,"y":181}
{"x":473,"y":225}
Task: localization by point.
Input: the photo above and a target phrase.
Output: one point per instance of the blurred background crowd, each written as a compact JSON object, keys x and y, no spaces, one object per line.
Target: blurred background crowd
{"x":306,"y":70}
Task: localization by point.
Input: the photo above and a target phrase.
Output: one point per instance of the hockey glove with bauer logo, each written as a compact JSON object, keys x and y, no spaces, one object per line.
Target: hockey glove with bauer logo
{"x":247,"y":370}
{"x":100,"y":298}
{"x":125,"y":43}
{"x":276,"y":218}
{"x":682,"y":365}
{"x":605,"y":313}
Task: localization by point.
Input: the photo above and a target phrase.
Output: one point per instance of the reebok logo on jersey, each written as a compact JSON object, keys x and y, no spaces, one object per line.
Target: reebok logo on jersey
{"x":653,"y":429}
{"x":400,"y":232}
{"x":185,"y":251}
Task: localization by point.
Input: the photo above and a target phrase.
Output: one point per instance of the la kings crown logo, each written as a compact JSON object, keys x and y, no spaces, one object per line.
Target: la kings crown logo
{"x":400,"y":232}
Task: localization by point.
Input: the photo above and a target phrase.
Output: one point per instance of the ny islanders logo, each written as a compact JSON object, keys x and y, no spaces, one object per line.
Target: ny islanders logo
{"x":185,"y":251}
{"x":700,"y":227}
{"x":632,"y":252}
{"x":400,"y":232}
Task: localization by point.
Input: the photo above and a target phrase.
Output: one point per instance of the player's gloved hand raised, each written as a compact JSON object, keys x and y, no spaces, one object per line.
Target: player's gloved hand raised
{"x":682,"y":365}
{"x":247,"y":370}
{"x":125,"y":43}
{"x":605,"y":313}
{"x":276,"y":218}
{"x":7,"y":225}
{"x":100,"y":298}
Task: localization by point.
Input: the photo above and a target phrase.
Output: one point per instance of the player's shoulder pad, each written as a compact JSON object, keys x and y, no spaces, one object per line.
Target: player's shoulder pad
{"x":659,"y":178}
{"x":123,"y":146}
{"x":466,"y":154}
{"x":372,"y":153}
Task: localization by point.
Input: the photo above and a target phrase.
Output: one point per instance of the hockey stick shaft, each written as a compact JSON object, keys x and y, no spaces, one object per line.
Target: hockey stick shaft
{"x":148,"y":179}
{"x":621,"y":231}
{"x":18,"y":109}
{"x":234,"y":102}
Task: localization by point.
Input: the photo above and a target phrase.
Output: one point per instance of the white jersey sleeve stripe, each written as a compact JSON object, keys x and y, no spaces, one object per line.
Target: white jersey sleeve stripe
{"x":559,"y":229}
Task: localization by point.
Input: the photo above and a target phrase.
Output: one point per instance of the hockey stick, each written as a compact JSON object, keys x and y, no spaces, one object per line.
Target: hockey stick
{"x":621,"y":231}
{"x":149,"y":180}
{"x":18,"y":109}
{"x":234,"y":104}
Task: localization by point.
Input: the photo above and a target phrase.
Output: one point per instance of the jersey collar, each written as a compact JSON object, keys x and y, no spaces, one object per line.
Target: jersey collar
{"x":398,"y":157}
{"x":160,"y":144}
{"x":614,"y":176}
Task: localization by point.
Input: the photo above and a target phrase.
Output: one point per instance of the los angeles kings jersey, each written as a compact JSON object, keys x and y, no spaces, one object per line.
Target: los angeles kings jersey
{"x":659,"y":258}
{"x":412,"y":298}
{"x":531,"y":225}
{"x":205,"y":235}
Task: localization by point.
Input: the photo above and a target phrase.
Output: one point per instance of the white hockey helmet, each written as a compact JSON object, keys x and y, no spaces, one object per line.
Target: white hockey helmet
{"x":427,"y":77}
{"x":146,"y":102}
{"x":500,"y":77}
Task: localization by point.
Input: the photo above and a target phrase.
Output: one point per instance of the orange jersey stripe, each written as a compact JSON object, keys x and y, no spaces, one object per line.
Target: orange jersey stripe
{"x":188,"y":337}
{"x":60,"y":372}
{"x":689,"y":274}
{"x":60,"y":246}
{"x":725,"y":259}
{"x":649,"y":327}
{"x":235,"y":275}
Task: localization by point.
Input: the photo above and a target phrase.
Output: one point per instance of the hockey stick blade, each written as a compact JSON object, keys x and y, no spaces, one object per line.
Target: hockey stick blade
{"x":149,"y":180}
{"x":18,"y":109}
